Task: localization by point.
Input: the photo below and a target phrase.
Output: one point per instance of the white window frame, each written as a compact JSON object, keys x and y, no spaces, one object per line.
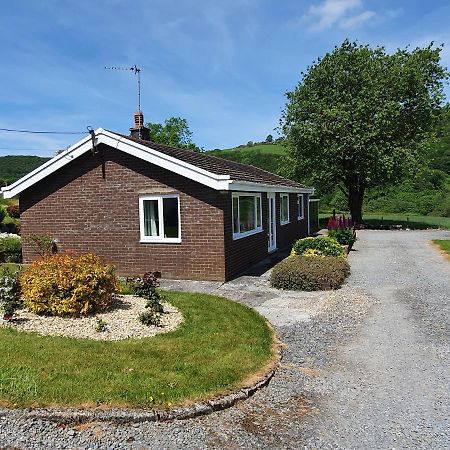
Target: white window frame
{"x":256,"y":230}
{"x":300,"y":202}
{"x":161,"y":238}
{"x":284,"y":222}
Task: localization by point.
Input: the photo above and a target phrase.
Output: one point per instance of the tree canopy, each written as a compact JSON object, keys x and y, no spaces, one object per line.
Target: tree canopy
{"x":174,"y":132}
{"x":359,"y":117}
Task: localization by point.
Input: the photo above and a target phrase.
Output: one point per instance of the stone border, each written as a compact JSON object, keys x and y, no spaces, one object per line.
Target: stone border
{"x":73,"y":416}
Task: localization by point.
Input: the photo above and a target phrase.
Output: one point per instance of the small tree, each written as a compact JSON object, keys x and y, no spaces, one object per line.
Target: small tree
{"x":269,"y":139}
{"x":359,"y":117}
{"x":174,"y":132}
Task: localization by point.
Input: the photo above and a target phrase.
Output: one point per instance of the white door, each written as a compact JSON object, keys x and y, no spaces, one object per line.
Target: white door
{"x":272,"y":224}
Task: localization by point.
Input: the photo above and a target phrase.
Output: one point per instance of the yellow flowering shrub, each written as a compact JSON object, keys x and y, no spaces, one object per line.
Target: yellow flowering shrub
{"x":68,"y":285}
{"x":312,"y":252}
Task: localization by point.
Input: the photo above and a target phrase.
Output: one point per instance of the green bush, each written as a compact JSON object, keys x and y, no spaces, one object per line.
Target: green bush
{"x":345,"y":236}
{"x":2,"y":214}
{"x":324,"y":245}
{"x":68,"y":285}
{"x":303,"y":273}
{"x":9,"y":292}
{"x":10,"y":247}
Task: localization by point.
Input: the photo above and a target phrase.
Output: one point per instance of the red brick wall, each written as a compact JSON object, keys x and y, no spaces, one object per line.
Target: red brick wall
{"x":85,"y":212}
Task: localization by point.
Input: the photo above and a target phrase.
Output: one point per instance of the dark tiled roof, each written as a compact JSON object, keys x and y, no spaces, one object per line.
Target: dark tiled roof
{"x":219,"y":166}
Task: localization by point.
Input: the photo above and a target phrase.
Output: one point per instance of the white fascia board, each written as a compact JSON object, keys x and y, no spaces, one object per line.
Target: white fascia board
{"x":247,"y":186}
{"x":218,"y":182}
{"x":214,"y":181}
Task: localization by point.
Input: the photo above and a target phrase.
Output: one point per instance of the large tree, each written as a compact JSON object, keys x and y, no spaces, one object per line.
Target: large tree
{"x":359,"y":117}
{"x":175,"y":132}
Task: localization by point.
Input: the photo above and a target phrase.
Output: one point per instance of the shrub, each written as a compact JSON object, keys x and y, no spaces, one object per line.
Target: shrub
{"x":101,"y":326}
{"x":10,"y":247}
{"x":2,"y":214}
{"x":43,"y":244}
{"x":9,"y":292}
{"x":150,"y":317}
{"x":145,"y":287}
{"x":310,"y":274}
{"x":324,"y":245}
{"x":13,"y":211}
{"x":345,"y":236}
{"x":68,"y":285}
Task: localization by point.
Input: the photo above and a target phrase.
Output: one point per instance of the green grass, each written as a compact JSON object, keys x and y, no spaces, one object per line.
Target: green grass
{"x":408,"y":220}
{"x":444,"y":244}
{"x":14,"y":267}
{"x":219,"y":345}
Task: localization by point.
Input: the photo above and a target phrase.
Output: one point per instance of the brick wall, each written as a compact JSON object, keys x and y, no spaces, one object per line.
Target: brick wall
{"x":240,"y":254}
{"x":86,"y":212}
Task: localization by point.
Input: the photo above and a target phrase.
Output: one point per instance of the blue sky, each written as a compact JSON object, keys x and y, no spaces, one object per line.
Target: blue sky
{"x":222,"y":65}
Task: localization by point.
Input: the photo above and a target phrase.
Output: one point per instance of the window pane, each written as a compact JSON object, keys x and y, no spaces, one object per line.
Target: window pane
{"x":300,"y":205}
{"x":247,"y":213}
{"x":284,"y":208}
{"x":170,"y":215}
{"x":151,"y":218}
{"x":258,"y":212}
{"x":235,"y":215}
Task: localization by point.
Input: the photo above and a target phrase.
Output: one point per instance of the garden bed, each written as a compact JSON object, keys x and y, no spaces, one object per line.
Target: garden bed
{"x":120,"y":322}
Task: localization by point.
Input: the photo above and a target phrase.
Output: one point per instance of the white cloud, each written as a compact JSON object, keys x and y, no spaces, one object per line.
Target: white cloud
{"x":342,"y":13}
{"x":357,"y":21}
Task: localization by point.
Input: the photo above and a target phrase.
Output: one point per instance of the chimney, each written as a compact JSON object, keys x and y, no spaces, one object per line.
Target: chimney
{"x":139,"y":131}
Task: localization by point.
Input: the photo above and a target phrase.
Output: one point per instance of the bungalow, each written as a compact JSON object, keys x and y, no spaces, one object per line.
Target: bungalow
{"x":146,"y":206}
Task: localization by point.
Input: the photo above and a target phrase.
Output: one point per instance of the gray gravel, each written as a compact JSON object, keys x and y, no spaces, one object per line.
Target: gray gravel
{"x":367,"y":369}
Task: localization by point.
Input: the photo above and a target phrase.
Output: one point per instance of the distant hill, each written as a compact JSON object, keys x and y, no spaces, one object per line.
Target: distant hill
{"x":264,"y":156}
{"x":14,"y":167}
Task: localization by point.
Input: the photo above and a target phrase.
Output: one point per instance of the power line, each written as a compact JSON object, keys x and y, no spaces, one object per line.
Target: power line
{"x":29,"y":149}
{"x":44,"y":132}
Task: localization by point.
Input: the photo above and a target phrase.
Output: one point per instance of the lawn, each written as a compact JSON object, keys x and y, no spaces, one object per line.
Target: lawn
{"x":220,"y":344}
{"x":408,"y":220}
{"x":444,"y":244}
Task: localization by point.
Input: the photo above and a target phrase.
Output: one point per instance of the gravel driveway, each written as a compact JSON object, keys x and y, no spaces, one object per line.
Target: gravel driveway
{"x":365,"y":367}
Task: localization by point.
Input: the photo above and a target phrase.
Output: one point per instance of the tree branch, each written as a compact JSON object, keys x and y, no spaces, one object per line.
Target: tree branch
{"x":343,"y":190}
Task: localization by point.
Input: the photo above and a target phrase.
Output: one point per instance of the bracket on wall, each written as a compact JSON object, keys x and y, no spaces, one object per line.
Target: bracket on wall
{"x":94,"y":151}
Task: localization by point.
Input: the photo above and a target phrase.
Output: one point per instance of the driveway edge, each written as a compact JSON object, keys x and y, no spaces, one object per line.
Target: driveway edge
{"x":73,"y":416}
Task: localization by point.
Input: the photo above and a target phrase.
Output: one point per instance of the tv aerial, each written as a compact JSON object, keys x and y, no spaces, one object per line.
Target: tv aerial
{"x":137,"y":71}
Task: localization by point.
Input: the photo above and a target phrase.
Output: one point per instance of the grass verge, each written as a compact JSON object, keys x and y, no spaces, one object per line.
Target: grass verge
{"x":220,"y":345}
{"x":444,"y":245}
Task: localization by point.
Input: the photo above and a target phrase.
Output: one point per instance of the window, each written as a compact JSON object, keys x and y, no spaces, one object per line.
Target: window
{"x":246,"y":215}
{"x":300,"y":212}
{"x":284,"y":209}
{"x":160,"y":218}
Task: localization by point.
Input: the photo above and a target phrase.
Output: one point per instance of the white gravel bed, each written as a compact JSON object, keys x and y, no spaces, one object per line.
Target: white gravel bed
{"x":121,"y":322}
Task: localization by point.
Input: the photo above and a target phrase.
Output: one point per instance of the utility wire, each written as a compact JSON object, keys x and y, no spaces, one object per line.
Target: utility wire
{"x":44,"y":132}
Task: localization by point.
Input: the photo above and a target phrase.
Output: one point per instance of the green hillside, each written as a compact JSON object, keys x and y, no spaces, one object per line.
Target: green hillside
{"x":427,"y":194}
{"x":265,"y":156}
{"x":14,"y":167}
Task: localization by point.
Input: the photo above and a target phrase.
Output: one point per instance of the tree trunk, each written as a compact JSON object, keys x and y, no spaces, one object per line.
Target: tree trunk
{"x":355,"y":202}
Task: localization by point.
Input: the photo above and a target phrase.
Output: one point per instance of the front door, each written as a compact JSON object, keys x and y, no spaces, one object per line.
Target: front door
{"x":272,"y":227}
